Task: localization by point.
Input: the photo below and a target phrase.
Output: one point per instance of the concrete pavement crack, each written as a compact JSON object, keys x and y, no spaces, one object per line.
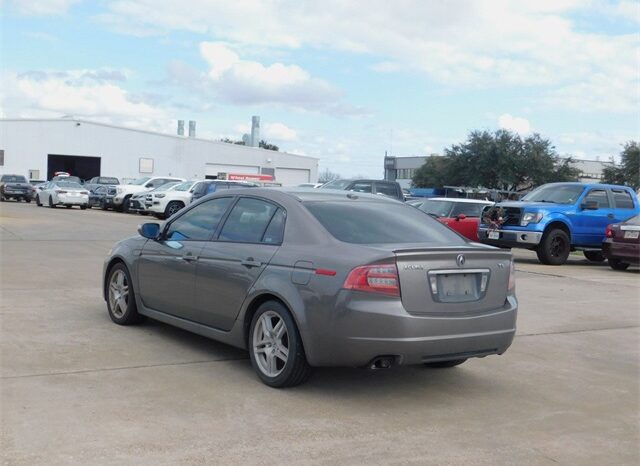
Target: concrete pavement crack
{"x":111,"y":369}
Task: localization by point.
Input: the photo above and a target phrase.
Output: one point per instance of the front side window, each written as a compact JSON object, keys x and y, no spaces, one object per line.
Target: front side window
{"x":622,"y":199}
{"x":248,"y":221}
{"x":336,"y":184}
{"x":361,"y":187}
{"x":599,"y":196}
{"x":200,"y":222}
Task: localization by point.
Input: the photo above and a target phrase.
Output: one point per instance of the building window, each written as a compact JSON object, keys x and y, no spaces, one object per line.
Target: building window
{"x":146,"y":165}
{"x":2,"y":158}
{"x":34,"y":174}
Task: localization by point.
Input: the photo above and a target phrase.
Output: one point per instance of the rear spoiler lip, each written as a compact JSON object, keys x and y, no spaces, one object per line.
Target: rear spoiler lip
{"x":466,"y":250}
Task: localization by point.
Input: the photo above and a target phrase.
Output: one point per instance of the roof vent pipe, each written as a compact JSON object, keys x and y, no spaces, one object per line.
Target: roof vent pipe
{"x":192,"y":128}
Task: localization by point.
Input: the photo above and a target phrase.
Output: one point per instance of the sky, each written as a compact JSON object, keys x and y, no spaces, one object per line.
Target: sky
{"x":344,"y":81}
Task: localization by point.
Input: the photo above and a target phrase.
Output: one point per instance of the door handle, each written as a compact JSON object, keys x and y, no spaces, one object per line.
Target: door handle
{"x":610,"y":215}
{"x":249,"y":262}
{"x":189,"y":258}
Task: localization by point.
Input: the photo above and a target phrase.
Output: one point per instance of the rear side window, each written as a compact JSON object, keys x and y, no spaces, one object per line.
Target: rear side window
{"x":599,"y":196}
{"x":622,"y":199}
{"x":387,"y":189}
{"x":248,"y":221}
{"x":377,"y":223}
{"x":199,"y":223}
{"x":275,"y":230}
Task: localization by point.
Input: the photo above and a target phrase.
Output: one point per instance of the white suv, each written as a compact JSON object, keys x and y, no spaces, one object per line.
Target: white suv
{"x":125,"y":191}
{"x":165,"y":204}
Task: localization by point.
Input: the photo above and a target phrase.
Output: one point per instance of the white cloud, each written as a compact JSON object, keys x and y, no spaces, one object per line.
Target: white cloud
{"x":271,"y":131}
{"x":459,"y":43}
{"x":54,"y":94}
{"x":241,"y":81}
{"x":512,"y":123}
{"x":43,"y":7}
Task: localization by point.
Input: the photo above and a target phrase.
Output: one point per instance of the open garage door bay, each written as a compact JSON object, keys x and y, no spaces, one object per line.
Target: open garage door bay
{"x":82,"y":166}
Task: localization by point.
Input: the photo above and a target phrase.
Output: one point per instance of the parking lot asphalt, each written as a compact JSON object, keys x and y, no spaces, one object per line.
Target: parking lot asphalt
{"x":77,"y":389}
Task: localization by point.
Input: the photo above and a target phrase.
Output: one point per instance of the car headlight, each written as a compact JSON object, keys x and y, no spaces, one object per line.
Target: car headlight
{"x":119,"y":190}
{"x":160,"y":195}
{"x":530,"y":217}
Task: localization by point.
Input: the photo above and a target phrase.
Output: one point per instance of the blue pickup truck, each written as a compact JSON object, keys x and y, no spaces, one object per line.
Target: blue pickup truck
{"x":558,"y":218}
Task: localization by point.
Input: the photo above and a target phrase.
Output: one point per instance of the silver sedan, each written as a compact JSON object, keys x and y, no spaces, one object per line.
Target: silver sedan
{"x":304,"y":278}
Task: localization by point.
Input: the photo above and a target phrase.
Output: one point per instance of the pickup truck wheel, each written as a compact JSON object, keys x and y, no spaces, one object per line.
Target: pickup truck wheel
{"x":172,"y":208}
{"x":554,"y":248}
{"x":617,"y":264}
{"x":594,"y":256}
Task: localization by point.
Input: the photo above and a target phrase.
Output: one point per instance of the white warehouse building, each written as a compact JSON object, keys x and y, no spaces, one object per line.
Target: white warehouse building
{"x":37,"y":148}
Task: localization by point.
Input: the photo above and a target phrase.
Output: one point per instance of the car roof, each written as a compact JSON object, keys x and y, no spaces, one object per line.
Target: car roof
{"x":457,"y":199}
{"x":590,"y":185}
{"x":308,"y":195}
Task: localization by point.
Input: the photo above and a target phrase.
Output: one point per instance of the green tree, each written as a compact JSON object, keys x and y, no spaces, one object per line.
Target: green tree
{"x":263,"y":144}
{"x":628,"y":172}
{"x":499,"y":160}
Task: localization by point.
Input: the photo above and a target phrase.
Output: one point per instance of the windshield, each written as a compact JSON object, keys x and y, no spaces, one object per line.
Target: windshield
{"x":140,"y":181}
{"x":336,"y":184}
{"x":555,"y":193}
{"x":105,"y":180}
{"x":166,"y":186}
{"x":437,"y":208}
{"x":68,"y":184}
{"x":183,"y":186}
{"x":14,"y":179}
{"x":375,"y":223}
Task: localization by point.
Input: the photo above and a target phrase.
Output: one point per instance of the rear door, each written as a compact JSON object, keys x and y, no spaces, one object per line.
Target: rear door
{"x":624,"y":205}
{"x":167,"y":268}
{"x":230,"y":265}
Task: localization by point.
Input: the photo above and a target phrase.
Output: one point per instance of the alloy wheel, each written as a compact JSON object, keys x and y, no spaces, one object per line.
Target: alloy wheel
{"x":557,"y":246}
{"x":118,"y":293}
{"x":271,"y":344}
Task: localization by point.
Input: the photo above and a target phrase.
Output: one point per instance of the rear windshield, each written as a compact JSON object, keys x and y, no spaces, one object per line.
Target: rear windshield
{"x":633,"y":220}
{"x":380,"y":223}
{"x":13,"y":179}
{"x":437,"y":208}
{"x":336,"y":184}
{"x":68,"y":184}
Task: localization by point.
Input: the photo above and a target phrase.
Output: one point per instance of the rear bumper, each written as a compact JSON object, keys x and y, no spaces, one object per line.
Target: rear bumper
{"x":511,"y":238}
{"x":364,"y":330}
{"x":626,"y":252}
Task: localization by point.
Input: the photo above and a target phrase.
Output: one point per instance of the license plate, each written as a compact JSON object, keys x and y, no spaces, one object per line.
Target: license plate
{"x":458,"y":287}
{"x":631,"y":234}
{"x":493,"y":234}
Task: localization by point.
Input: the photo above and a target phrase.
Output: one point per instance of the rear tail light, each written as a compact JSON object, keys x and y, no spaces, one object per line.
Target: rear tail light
{"x":512,"y":276}
{"x":380,"y":278}
{"x":84,"y":192}
{"x":59,"y":191}
{"x":609,"y":231}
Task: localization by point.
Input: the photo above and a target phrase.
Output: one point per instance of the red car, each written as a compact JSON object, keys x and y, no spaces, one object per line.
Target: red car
{"x":461,"y":215}
{"x":622,"y":243}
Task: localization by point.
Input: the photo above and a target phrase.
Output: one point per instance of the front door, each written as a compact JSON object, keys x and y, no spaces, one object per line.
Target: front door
{"x":167,"y":268}
{"x":230,"y":265}
{"x":592,"y":224}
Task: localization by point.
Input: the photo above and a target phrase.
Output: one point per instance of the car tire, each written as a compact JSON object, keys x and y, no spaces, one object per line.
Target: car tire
{"x":68,"y":206}
{"x":38,"y":203}
{"x":126,"y":204}
{"x":594,"y":256}
{"x":83,"y":207}
{"x":554,"y":248}
{"x":2,"y":198}
{"x":51,"y":204}
{"x":617,"y":264}
{"x":444,"y":364}
{"x":172,"y":208}
{"x":278,"y":358}
{"x":121,"y":302}
{"x":27,"y":200}
{"x":102,"y":205}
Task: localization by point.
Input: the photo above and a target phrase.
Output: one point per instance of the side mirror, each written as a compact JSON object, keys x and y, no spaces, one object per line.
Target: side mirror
{"x":460,"y":217}
{"x":149,"y":230}
{"x":589,"y":205}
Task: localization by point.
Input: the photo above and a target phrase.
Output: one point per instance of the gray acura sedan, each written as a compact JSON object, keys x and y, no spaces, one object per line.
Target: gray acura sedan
{"x":303,"y":278}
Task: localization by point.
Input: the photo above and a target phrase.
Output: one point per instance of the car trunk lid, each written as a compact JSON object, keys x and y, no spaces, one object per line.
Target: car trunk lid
{"x":452,"y":280}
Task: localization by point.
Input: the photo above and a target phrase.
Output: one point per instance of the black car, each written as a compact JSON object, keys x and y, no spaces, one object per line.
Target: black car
{"x":102,"y":197}
{"x":15,"y":187}
{"x":212,"y":186}
{"x":96,"y":181}
{"x":385,"y":188}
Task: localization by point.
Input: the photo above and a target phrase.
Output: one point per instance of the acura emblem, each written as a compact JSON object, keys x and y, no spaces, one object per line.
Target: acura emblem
{"x":460,"y":260}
